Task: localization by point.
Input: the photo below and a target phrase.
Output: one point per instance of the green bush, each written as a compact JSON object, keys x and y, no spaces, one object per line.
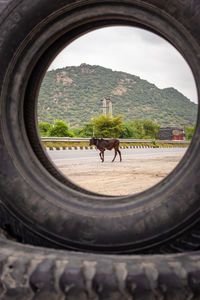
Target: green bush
{"x":44,"y":128}
{"x":86,"y":131}
{"x":60,"y":129}
{"x":105,"y":126}
{"x":189,"y":132}
{"x":151,"y":129}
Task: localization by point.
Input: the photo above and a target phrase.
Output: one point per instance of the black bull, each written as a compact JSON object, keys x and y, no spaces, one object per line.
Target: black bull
{"x":103,"y":145}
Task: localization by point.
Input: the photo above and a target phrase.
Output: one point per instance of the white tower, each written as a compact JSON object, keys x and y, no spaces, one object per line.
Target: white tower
{"x":110,"y":107}
{"x":107,"y":104}
{"x":104,"y":106}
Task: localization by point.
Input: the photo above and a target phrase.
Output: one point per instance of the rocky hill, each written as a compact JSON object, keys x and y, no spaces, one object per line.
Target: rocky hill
{"x":74,"y":94}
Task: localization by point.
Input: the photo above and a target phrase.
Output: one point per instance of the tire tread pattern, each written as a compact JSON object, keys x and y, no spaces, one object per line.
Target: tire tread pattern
{"x":39,"y":273}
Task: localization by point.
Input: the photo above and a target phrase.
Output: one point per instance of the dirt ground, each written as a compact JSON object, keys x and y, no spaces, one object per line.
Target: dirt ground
{"x":128,"y":177}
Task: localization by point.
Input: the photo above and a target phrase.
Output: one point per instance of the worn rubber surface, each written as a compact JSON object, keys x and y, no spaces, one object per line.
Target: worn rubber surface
{"x":39,"y":273}
{"x":40,"y":206}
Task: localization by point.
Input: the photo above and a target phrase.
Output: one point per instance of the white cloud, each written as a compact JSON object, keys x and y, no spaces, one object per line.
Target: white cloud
{"x":134,"y":51}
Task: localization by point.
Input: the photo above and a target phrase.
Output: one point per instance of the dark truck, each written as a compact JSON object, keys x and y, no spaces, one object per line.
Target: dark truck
{"x":171,"y":133}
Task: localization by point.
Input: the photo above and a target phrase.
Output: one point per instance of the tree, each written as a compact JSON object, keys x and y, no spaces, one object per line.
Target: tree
{"x":129,"y":131}
{"x":138,"y":124}
{"x":60,"y":128}
{"x":105,"y":126}
{"x":86,"y":131}
{"x":151,"y":129}
{"x":44,"y":128}
{"x":189,"y":132}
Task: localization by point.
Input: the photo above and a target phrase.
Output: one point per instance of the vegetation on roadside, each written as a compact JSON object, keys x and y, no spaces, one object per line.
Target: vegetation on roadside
{"x":103,"y":127}
{"x":189,"y":132}
{"x":44,"y":128}
{"x":107,"y":127}
{"x":59,"y":128}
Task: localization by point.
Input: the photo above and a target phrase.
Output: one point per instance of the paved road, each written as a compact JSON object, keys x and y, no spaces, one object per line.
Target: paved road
{"x":62,"y":156}
{"x":140,"y":168}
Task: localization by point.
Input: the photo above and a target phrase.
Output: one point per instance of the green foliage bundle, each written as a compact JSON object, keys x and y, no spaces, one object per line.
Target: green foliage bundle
{"x":151,"y":129}
{"x":140,"y":129}
{"x":138,"y":125}
{"x":59,"y":129}
{"x":86,"y":131}
{"x":129,"y":131}
{"x":189,"y":132}
{"x":44,"y":128}
{"x":105,"y":126}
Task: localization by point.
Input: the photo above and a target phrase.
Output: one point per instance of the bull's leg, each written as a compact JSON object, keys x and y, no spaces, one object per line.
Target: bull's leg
{"x":115,"y":155}
{"x":102,"y":153}
{"x":119,"y":154}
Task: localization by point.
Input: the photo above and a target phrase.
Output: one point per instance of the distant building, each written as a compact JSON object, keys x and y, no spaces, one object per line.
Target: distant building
{"x":171,"y":133}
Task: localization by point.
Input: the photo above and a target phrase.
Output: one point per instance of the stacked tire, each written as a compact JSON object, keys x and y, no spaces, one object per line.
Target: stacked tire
{"x":69,"y":242}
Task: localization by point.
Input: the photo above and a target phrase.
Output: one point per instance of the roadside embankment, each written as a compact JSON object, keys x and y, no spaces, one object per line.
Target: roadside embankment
{"x":57,"y":143}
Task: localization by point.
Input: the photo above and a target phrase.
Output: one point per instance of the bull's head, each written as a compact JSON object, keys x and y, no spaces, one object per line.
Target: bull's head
{"x":92,"y":141}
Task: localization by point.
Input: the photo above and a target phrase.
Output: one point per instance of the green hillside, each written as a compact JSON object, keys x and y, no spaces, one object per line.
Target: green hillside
{"x":74,"y":94}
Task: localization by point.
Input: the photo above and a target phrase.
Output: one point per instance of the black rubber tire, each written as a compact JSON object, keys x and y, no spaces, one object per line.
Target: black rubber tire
{"x":40,"y":206}
{"x":39,"y":273}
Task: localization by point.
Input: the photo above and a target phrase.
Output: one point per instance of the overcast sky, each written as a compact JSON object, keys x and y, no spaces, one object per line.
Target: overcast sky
{"x":134,"y":51}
